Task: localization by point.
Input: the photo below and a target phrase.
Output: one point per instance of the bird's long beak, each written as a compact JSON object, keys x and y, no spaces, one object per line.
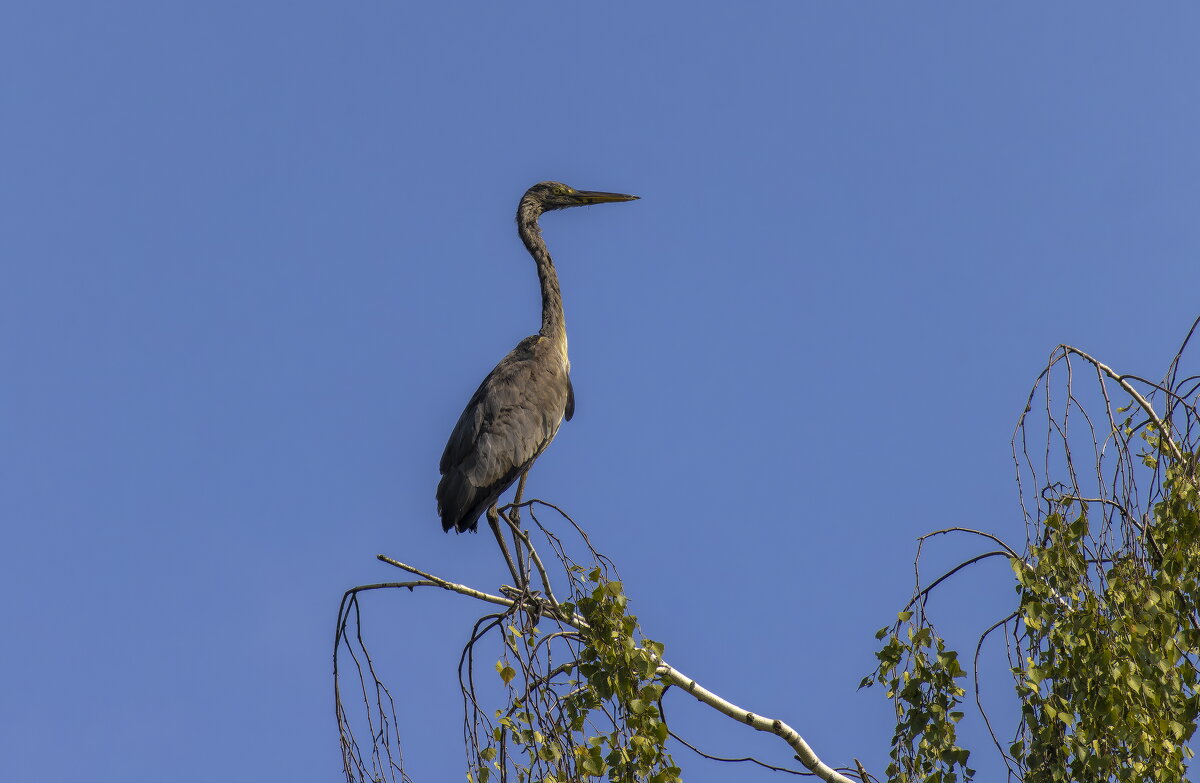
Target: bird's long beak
{"x":599,"y":197}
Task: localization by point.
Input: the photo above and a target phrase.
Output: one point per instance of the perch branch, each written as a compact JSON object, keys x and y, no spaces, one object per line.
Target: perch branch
{"x":454,"y":587}
{"x":804,"y":753}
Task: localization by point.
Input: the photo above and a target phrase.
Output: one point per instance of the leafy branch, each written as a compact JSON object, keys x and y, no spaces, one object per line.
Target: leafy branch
{"x":1104,"y":642}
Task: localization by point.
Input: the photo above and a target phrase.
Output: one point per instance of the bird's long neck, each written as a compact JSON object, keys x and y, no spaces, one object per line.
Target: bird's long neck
{"x":554,"y":327}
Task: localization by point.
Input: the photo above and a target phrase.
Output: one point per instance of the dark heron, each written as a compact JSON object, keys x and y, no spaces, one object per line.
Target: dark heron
{"x":516,"y":411}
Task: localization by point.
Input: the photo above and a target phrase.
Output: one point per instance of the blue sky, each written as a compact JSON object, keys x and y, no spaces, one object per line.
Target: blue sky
{"x":257,"y":256}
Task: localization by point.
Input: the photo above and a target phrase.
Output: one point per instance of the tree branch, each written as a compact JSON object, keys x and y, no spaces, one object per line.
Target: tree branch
{"x":727,"y":759}
{"x":454,"y":587}
{"x":804,"y":753}
{"x":950,"y":573}
{"x":1132,"y":392}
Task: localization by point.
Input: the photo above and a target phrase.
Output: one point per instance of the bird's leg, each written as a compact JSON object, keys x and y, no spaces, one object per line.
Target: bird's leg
{"x":522,"y":563}
{"x":493,"y":517}
{"x":519,"y":496}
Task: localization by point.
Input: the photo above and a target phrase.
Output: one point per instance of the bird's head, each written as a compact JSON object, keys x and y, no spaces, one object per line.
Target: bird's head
{"x":546,"y":196}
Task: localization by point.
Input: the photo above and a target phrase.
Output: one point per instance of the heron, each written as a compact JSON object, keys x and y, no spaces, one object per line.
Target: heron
{"x":517,"y":410}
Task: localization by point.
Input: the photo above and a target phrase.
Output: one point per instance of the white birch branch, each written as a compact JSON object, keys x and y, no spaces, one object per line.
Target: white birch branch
{"x":804,"y":753}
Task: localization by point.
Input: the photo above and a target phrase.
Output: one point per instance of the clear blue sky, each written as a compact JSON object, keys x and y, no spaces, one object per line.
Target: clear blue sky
{"x":258,"y":255}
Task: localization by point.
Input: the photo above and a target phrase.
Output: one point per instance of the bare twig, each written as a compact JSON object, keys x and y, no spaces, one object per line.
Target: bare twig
{"x":978,"y":694}
{"x":1009,"y":550}
{"x":862,"y":772}
{"x":923,"y":593}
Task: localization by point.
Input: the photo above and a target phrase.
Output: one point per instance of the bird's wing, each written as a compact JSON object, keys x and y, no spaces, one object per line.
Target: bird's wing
{"x":570,"y":400}
{"x":466,"y":431}
{"x":510,"y":419}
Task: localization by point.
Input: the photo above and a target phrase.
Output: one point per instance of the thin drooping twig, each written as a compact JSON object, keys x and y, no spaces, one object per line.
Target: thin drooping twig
{"x":978,"y":694}
{"x":1007,"y":550}
{"x":587,"y":541}
{"x":384,"y":759}
{"x":1174,"y":365}
{"x":923,"y":593}
{"x":483,"y":626}
{"x":1011,"y":552}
